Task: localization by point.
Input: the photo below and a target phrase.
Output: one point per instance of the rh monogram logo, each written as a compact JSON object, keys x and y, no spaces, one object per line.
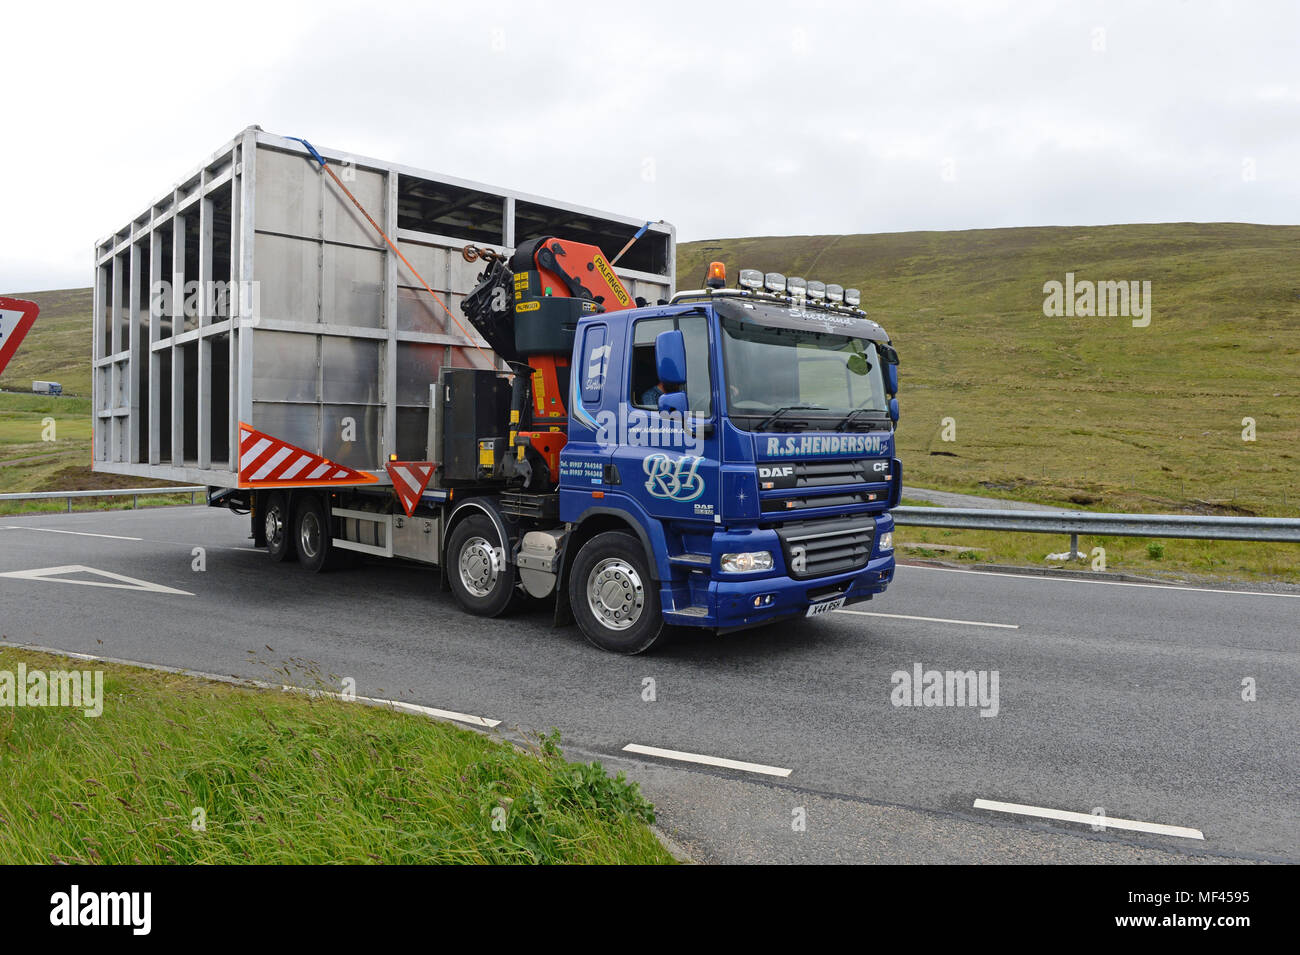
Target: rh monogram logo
{"x":674,"y":480}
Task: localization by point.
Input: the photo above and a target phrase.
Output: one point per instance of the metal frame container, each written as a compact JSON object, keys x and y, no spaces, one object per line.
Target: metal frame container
{"x":253,"y":291}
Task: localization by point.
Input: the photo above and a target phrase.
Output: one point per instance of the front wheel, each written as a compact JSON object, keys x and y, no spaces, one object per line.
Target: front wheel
{"x":614,"y":598}
{"x":480,"y":576}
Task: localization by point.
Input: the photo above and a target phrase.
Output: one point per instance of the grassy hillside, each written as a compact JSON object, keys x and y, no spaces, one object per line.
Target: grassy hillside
{"x":1088,"y":411}
{"x":58,"y":346}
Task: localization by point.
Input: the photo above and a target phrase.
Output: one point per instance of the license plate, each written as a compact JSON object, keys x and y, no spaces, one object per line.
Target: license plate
{"x":826,"y":606}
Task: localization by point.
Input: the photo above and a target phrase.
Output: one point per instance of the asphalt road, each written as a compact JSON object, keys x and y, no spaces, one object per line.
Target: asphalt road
{"x":1122,"y":696}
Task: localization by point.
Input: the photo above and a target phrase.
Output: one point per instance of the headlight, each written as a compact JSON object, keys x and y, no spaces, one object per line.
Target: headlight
{"x":746,"y":563}
{"x":886,"y":541}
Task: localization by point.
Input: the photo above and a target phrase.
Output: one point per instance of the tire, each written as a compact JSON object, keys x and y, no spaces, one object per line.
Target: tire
{"x":615,"y":599}
{"x":481,"y":577}
{"x":312,"y":534}
{"x":278,"y":528}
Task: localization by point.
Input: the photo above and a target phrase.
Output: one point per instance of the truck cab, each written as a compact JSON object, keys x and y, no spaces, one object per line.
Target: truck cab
{"x":743,"y":441}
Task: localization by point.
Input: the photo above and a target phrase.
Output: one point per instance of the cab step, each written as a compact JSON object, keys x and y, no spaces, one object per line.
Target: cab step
{"x":692,"y":612}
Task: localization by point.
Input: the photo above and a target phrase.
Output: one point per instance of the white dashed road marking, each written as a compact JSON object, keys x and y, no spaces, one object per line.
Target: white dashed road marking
{"x":51,"y":530}
{"x":904,"y":616}
{"x":1088,"y":819}
{"x":706,"y":760}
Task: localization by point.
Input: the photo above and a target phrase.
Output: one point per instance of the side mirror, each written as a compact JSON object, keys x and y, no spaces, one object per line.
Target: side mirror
{"x":674,"y":403}
{"x":889,"y":356}
{"x":670,"y":357}
{"x":893,"y":410}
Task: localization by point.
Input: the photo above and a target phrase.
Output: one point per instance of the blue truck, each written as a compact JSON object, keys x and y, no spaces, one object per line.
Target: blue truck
{"x":719,"y":460}
{"x":727,"y":459}
{"x":534,"y":425}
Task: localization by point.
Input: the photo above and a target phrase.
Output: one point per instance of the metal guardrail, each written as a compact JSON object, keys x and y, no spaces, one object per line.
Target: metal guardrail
{"x":1194,"y":526}
{"x":135,"y":493}
{"x":1074,"y":523}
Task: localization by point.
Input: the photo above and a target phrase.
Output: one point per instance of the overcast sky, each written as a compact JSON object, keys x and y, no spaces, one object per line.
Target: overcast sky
{"x":726,"y":120}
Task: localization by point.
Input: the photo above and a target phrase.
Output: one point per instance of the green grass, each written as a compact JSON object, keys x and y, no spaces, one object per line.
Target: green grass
{"x":289,"y":779}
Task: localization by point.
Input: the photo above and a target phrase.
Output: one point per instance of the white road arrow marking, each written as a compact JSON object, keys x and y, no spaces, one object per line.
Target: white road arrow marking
{"x":53,"y":575}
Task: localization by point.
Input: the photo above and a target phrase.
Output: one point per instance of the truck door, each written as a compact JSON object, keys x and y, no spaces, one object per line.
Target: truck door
{"x":669,"y":466}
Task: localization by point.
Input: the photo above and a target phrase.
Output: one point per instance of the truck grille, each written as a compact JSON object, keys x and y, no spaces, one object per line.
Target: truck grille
{"x":813,"y":484}
{"x":824,"y":473}
{"x":819,"y":548}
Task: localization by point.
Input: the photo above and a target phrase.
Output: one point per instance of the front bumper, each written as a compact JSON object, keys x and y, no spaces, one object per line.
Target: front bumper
{"x":730,"y":604}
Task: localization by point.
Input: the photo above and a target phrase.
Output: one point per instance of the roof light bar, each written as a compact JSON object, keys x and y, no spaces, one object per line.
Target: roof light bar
{"x":835,"y":293}
{"x":852,"y":297}
{"x":816,"y":290}
{"x":751,"y":278}
{"x":774,"y":281}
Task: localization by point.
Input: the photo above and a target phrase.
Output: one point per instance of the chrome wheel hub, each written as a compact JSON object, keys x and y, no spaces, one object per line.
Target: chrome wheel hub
{"x":480,"y":566}
{"x":274,"y":526}
{"x":615,"y":593}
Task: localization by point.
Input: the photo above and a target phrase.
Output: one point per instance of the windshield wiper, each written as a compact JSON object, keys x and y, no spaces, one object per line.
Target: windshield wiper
{"x":762,"y":425}
{"x":848,"y":418}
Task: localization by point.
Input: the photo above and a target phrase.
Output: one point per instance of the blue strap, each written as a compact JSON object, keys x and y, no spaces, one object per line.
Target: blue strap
{"x":312,"y":149}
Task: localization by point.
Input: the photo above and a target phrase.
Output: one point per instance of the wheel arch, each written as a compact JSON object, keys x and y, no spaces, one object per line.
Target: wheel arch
{"x":466,"y":508}
{"x":597,"y":520}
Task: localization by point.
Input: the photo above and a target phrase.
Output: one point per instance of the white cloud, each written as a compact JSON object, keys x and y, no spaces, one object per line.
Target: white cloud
{"x":758,"y":118}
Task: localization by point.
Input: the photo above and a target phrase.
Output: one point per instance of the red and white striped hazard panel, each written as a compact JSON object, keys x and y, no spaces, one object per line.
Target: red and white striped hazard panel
{"x":265,"y":461}
{"x":410,"y":478}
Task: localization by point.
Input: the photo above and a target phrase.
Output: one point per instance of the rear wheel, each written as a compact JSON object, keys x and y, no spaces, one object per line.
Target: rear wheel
{"x":277,"y":526}
{"x":614,"y":598}
{"x":312,"y":536}
{"x":480,"y":576}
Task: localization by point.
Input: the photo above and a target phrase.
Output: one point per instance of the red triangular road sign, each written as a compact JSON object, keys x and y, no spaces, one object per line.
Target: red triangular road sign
{"x":265,"y":461}
{"x":16,"y":318}
{"x":410,"y":478}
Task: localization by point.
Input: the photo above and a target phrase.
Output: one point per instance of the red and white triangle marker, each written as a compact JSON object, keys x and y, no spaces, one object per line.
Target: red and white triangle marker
{"x":265,"y":461}
{"x":410,"y":478}
{"x":16,"y":318}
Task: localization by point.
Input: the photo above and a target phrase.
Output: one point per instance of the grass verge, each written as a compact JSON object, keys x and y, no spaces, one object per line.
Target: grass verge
{"x":283,"y":779}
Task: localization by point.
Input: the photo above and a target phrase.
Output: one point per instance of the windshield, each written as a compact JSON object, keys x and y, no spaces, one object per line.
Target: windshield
{"x":782,"y":379}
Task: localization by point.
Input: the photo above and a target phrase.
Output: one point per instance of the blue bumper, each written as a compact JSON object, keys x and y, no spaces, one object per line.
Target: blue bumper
{"x":731,"y":604}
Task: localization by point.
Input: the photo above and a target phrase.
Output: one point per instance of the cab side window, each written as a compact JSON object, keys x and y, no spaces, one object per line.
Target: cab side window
{"x":645,"y":380}
{"x":646,"y":386}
